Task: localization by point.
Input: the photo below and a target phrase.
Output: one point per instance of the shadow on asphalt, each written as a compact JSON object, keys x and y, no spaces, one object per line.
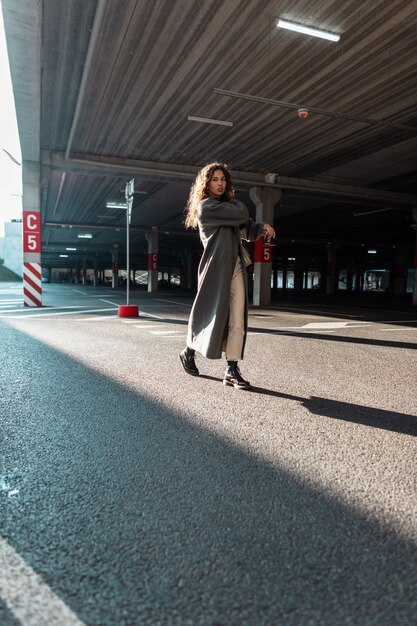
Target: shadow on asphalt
{"x":355,"y":413}
{"x":135,"y":516}
{"x":338,"y":338}
{"x":310,"y":335}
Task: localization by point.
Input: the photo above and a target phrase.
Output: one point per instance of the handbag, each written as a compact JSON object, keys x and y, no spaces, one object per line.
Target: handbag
{"x":245,"y":256}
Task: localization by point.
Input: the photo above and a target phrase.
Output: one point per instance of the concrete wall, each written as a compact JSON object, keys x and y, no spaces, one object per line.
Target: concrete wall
{"x":12,"y":248}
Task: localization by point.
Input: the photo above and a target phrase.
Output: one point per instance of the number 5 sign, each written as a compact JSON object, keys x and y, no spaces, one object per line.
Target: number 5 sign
{"x":263,"y":251}
{"x":31,"y":231}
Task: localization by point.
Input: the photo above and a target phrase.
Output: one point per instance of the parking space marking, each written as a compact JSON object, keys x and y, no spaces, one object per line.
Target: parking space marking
{"x":27,"y":596}
{"x":301,"y":310}
{"x":392,"y":330}
{"x":331,"y":325}
{"x":146,"y":326}
{"x":174,"y":302}
{"x":53,"y":313}
{"x":157,"y":317}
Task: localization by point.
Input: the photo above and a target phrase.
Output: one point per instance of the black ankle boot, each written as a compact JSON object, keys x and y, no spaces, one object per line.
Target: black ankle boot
{"x":233,"y":377}
{"x":188,"y":362}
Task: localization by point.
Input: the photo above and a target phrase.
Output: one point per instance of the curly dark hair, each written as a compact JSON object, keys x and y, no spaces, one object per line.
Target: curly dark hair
{"x":199,"y":191}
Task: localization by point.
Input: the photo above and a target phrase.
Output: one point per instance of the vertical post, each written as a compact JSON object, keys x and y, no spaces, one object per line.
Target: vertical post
{"x":264,"y":199}
{"x":414,"y":297}
{"x":331,"y":269}
{"x":128,"y":310}
{"x":400,"y":271}
{"x":115,"y":267}
{"x":32,"y":272}
{"x":152,"y":239}
{"x":129,"y":191}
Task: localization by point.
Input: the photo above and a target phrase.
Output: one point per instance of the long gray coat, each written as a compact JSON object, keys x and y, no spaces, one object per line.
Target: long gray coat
{"x":222,"y":225}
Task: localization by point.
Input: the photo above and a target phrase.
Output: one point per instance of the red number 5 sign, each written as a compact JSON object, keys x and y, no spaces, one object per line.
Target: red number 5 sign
{"x":31,"y":231}
{"x":263,"y":251}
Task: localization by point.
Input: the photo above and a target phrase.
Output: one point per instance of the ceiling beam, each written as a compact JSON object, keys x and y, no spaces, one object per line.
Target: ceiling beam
{"x":112,"y":166}
{"x":117,"y":228}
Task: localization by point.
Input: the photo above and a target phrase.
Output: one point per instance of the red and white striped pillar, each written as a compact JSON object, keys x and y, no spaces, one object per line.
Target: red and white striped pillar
{"x":32,"y":270}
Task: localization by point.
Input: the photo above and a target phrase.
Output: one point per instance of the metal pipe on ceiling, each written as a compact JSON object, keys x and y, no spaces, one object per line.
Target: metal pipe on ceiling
{"x":95,"y":31}
{"x":334,"y":114}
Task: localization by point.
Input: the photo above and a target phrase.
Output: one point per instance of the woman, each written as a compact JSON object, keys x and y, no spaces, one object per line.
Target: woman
{"x":219,"y":316}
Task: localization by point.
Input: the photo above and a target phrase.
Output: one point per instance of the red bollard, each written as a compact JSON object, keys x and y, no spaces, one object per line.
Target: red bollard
{"x":128,"y":310}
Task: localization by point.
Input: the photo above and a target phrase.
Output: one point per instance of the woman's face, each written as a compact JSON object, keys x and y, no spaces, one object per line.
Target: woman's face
{"x":217,"y":183}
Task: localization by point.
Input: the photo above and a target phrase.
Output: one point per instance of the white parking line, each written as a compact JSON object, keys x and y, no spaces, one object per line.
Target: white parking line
{"x":55,"y":313}
{"x":157,"y":317}
{"x":331,"y":325}
{"x":142,"y":313}
{"x":27,"y":596}
{"x":392,"y":330}
{"x":97,"y":318}
{"x":165,"y":332}
{"x":301,"y":310}
{"x":110,"y":302}
{"x":174,"y":302}
{"x":146,"y":326}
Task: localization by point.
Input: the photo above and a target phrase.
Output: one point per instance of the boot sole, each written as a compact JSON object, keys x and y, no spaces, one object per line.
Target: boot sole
{"x":228,"y":383}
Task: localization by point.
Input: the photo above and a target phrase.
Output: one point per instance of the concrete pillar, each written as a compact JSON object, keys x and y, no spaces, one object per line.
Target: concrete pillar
{"x":414,"y":299}
{"x":331,"y":269}
{"x":298,"y":279}
{"x":152,"y":239}
{"x":188,"y":265}
{"x":114,"y":268}
{"x":95,"y":275}
{"x":349,"y":280}
{"x":265,"y":199}
{"x":400,"y":271}
{"x":284,"y":278}
{"x":84,"y":272}
{"x":32,"y":260}
{"x":31,"y":55}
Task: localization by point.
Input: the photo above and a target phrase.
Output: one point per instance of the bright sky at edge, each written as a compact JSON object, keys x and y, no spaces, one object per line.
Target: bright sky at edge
{"x":10,"y":173}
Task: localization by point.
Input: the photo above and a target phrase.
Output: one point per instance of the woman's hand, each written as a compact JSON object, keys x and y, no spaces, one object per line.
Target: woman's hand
{"x":269,"y":232}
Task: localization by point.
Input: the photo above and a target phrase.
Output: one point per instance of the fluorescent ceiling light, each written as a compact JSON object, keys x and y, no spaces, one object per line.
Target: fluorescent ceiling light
{"x":207,"y":120}
{"x":72,"y":249}
{"x":86,"y":236}
{"x":116,"y":205}
{"x":63,"y":256}
{"x":371,"y":251}
{"x":307,"y":30}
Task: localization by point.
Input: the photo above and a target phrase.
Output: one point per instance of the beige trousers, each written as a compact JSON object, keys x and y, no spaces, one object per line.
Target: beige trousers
{"x":236,"y":331}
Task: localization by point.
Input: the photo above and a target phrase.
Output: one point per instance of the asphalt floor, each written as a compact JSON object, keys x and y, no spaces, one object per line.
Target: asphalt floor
{"x":134,"y":495}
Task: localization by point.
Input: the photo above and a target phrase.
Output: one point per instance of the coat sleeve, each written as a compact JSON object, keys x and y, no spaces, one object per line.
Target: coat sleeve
{"x":251,"y":231}
{"x":212,"y":213}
